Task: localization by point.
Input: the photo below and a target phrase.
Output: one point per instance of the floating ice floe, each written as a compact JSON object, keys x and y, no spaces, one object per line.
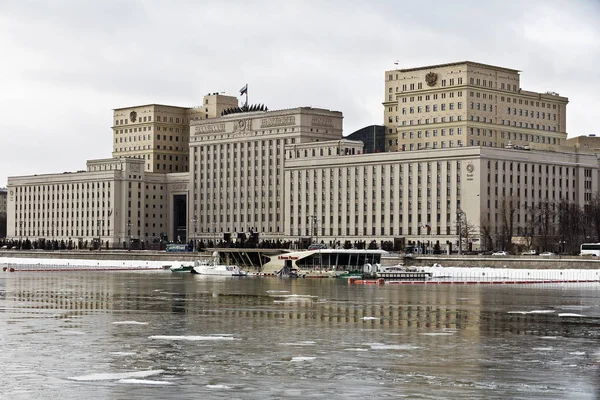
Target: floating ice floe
{"x":437,"y":334}
{"x":129,"y":323}
{"x":144,"y":382}
{"x":571,"y":315}
{"x":533,"y":312}
{"x":302,"y":343}
{"x":380,"y":346}
{"x":218,"y":387}
{"x":110,"y":376}
{"x":297,"y":359}
{"x":191,"y":338}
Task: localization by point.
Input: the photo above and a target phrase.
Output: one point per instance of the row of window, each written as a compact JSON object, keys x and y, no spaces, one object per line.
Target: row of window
{"x":56,"y":187}
{"x":149,"y":119}
{"x":428,"y":121}
{"x":429,"y":96}
{"x":527,"y":102}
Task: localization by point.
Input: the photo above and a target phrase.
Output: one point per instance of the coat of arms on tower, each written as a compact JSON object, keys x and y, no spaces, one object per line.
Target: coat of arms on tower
{"x":431,"y":78}
{"x":133,"y":116}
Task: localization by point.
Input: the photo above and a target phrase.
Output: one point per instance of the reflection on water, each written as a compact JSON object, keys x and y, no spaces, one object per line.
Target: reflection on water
{"x":157,"y":334}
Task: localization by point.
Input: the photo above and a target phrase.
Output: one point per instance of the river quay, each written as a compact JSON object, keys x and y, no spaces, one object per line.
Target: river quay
{"x":463,"y":261}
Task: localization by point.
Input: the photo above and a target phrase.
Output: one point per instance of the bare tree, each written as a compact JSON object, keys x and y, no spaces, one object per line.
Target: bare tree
{"x":468,"y":232}
{"x":544,"y":222}
{"x":508,"y":209}
{"x":485,"y":230}
{"x":592,"y":216}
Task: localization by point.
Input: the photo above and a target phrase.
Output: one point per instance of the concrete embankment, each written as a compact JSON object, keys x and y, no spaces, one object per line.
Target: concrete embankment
{"x":105,"y":255}
{"x":520,"y":262}
{"x":517,"y":262}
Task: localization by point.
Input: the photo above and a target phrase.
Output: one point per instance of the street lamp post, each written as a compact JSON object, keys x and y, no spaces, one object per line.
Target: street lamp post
{"x":129,"y":235}
{"x":214,"y":234}
{"x":99,"y":236}
{"x":314,"y":227}
{"x":195,"y":221}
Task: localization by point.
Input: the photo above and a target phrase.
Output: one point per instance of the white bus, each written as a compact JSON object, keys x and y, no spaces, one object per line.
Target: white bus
{"x":592,"y":249}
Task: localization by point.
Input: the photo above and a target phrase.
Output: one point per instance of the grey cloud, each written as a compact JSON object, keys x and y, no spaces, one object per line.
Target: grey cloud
{"x":91,"y":56}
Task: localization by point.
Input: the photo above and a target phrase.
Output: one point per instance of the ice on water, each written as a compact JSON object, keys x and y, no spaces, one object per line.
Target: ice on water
{"x":144,"y":382}
{"x":110,"y":376}
{"x":191,"y":338}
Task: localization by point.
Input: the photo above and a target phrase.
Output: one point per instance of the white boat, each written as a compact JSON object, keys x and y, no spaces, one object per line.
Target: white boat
{"x":397,"y":272}
{"x":215,"y":268}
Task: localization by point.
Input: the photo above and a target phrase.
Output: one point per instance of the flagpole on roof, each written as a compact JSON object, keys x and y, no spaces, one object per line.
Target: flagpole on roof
{"x":246,"y":96}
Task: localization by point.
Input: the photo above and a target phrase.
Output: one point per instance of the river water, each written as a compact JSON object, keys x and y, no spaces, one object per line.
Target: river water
{"x":141,"y":335}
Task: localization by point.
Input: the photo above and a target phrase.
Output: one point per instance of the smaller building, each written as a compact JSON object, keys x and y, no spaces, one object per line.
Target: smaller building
{"x":590,"y":142}
{"x":114,"y":203}
{"x":373,"y":137}
{"x":3,"y":201}
{"x":3,"y":194}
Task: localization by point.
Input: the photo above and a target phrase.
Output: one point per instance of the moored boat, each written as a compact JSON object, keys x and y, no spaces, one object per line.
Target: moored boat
{"x":399,"y":271}
{"x":215,"y":268}
{"x":356,"y":274}
{"x":181,"y":267}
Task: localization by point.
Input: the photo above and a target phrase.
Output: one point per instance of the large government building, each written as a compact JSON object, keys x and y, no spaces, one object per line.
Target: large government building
{"x":461,"y":145}
{"x":468,"y":104}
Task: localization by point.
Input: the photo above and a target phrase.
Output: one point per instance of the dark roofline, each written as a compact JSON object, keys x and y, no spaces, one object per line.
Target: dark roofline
{"x":459,"y":63}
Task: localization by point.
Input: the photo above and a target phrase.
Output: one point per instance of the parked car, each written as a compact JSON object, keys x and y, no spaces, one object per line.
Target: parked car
{"x":529,"y":253}
{"x":547,"y":254}
{"x":500,"y":253}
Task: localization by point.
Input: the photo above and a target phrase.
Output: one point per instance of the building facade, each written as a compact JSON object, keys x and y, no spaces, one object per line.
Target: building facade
{"x":468,"y":104}
{"x":373,"y":138}
{"x":427,"y":196}
{"x":589,"y":142}
{"x":490,"y":157}
{"x":3,"y":200}
{"x":113,"y":203}
{"x":237,"y":167}
{"x":159,"y":134}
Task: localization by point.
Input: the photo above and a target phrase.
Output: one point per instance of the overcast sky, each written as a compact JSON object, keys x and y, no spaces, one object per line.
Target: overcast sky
{"x":66,"y":64}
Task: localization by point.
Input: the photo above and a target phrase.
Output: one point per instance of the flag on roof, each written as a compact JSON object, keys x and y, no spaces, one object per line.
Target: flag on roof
{"x":244,"y":90}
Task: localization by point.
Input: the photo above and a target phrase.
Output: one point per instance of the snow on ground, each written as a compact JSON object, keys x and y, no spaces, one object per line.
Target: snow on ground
{"x":474,"y":273}
{"x":439,"y":272}
{"x":55,"y":263}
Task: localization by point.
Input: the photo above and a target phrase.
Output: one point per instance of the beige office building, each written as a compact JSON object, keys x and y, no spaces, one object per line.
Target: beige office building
{"x":237,"y":167}
{"x":468,"y":104}
{"x":159,"y":134}
{"x":487,"y":149}
{"x":114,"y":202}
{"x":584,"y":143}
{"x":421,"y":196}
